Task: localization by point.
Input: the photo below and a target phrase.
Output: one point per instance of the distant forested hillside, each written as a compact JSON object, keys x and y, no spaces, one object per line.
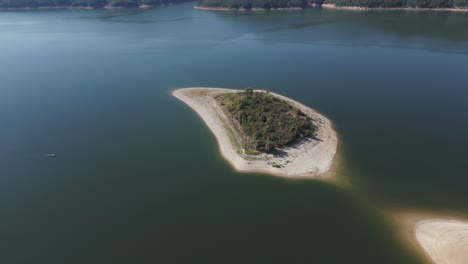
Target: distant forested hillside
{"x":249,"y":4}
{"x":81,"y":3}
{"x":237,"y":4}
{"x":402,"y":3}
{"x":268,"y":4}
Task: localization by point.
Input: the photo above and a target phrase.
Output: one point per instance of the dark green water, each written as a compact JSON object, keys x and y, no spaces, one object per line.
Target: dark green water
{"x":138,"y":178}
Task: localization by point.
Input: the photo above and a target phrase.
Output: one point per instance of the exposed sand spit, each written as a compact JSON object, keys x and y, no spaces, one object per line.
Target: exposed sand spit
{"x":363,"y":8}
{"x":445,"y":241}
{"x":246,"y":10}
{"x":312,"y":157}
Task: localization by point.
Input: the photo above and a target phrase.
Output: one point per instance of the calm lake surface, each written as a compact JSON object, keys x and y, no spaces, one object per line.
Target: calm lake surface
{"x":137,"y":177}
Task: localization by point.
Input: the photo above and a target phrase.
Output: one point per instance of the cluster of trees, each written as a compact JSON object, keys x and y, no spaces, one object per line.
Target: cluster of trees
{"x":266,"y":122}
{"x":79,"y":3}
{"x":401,"y":3}
{"x":249,"y":4}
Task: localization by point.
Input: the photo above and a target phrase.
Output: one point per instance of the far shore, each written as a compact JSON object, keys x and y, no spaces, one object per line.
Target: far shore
{"x":325,"y":6}
{"x":439,"y":237}
{"x":244,"y":9}
{"x":312,"y":157}
{"x":46,"y":8}
{"x":332,"y":6}
{"x":77,"y":7}
{"x":361,"y":8}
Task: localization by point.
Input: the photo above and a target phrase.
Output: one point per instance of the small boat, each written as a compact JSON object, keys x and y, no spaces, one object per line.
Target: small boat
{"x":50,"y":155}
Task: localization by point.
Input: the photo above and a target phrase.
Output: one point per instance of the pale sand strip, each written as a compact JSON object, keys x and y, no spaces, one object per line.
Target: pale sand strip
{"x":332,"y":6}
{"x":243,"y":9}
{"x":362,"y":8}
{"x":309,"y":158}
{"x":444,"y":240}
{"x":78,"y":7}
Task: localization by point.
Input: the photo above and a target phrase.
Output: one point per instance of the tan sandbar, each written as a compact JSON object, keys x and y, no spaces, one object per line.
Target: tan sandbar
{"x":445,"y":241}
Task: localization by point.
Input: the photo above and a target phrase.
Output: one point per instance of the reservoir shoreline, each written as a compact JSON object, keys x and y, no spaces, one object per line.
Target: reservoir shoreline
{"x":437,"y":237}
{"x":418,"y":9}
{"x":246,"y":10}
{"x":332,"y":6}
{"x":207,"y":8}
{"x":107,"y":7}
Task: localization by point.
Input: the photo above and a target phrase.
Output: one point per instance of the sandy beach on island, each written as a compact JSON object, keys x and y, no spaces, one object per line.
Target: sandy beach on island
{"x":309,"y":158}
{"x":107,"y":7}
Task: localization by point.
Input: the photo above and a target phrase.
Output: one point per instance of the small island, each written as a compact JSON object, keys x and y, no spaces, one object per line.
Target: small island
{"x":260,"y":131}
